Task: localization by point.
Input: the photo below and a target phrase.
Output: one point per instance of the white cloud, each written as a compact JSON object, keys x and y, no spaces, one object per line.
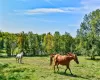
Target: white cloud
{"x":71,"y":10}
{"x":44,"y":10}
{"x":56,"y":10}
{"x":86,"y":7}
{"x":50,"y":10}
{"x":41,"y":11}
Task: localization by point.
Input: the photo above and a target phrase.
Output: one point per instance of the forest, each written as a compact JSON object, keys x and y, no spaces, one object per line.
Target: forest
{"x":86,"y":42}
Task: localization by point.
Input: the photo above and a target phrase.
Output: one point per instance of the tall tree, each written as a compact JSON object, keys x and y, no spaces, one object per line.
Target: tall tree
{"x":56,"y":42}
{"x":8,"y":47}
{"x":21,"y":41}
{"x":89,"y":33}
{"x":48,"y":42}
{"x":67,"y":43}
{"x":30,"y":42}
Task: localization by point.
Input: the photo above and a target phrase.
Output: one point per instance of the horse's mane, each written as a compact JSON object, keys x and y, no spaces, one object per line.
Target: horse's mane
{"x":69,"y":54}
{"x":52,"y":54}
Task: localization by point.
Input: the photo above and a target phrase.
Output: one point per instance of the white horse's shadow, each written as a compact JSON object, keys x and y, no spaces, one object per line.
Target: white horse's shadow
{"x":19,"y":57}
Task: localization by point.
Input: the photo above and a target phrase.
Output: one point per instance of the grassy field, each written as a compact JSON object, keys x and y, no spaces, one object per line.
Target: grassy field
{"x":37,"y":68}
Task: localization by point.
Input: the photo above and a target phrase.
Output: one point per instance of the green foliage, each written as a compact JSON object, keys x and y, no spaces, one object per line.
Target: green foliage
{"x":35,"y":44}
{"x":48,"y":43}
{"x":3,"y":65}
{"x":1,"y":43}
{"x":56,"y":42}
{"x":8,"y":47}
{"x":67,"y":43}
{"x":89,"y":34}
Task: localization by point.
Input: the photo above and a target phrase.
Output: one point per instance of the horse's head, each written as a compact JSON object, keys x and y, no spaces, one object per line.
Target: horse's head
{"x":22,"y":53}
{"x":76,"y":59}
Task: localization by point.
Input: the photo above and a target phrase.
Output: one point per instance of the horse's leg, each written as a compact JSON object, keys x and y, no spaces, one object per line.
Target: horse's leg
{"x":16,"y":59}
{"x":66,"y":69}
{"x":69,"y":69}
{"x":21,"y":60}
{"x":56,"y":63}
{"x":54,"y":67}
{"x":57,"y":67}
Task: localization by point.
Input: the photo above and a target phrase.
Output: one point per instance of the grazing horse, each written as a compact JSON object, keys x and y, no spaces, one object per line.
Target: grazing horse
{"x":63,"y":60}
{"x":19,"y":57}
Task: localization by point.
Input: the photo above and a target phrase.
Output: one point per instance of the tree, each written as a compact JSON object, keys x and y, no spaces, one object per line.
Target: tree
{"x":56,"y":42}
{"x":67,"y":43}
{"x":34,"y":41}
{"x":89,"y":33}
{"x":26,"y":45}
{"x":21,"y":41}
{"x":31,"y":41}
{"x":1,"y":43}
{"x":42,"y":44}
{"x":8,"y":47}
{"x":48,"y":43}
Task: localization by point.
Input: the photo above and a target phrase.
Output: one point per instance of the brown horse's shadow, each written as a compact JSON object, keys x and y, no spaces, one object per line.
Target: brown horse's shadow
{"x":74,"y":75}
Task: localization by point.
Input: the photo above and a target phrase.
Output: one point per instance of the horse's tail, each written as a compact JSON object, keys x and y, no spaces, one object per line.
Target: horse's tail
{"x":51,"y":58}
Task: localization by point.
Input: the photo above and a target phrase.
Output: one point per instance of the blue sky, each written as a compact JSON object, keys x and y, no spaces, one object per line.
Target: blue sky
{"x":43,"y":16}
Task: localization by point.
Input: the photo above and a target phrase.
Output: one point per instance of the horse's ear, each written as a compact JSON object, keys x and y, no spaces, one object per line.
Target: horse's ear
{"x":76,"y":55}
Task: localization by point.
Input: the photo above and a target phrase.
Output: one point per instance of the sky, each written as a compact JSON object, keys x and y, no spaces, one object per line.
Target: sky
{"x":43,"y":16}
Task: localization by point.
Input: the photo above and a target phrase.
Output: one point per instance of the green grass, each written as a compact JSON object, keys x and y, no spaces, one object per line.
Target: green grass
{"x":37,"y":68}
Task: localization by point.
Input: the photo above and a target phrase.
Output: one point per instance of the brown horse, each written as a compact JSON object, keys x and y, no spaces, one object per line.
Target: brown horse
{"x":63,"y":60}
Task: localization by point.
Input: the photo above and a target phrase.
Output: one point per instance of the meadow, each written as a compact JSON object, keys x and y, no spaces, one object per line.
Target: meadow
{"x":37,"y":68}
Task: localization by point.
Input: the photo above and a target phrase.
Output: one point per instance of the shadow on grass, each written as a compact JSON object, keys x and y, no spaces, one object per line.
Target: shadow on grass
{"x":74,"y":75}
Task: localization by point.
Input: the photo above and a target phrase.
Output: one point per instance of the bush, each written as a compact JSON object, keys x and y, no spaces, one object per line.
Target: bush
{"x":3,"y":65}
{"x":2,"y":77}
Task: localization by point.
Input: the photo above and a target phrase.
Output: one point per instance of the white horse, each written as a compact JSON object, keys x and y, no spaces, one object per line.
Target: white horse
{"x":19,"y":57}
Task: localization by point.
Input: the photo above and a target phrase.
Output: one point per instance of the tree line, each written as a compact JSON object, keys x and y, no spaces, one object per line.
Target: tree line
{"x":35,"y":44}
{"x":86,"y":42}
